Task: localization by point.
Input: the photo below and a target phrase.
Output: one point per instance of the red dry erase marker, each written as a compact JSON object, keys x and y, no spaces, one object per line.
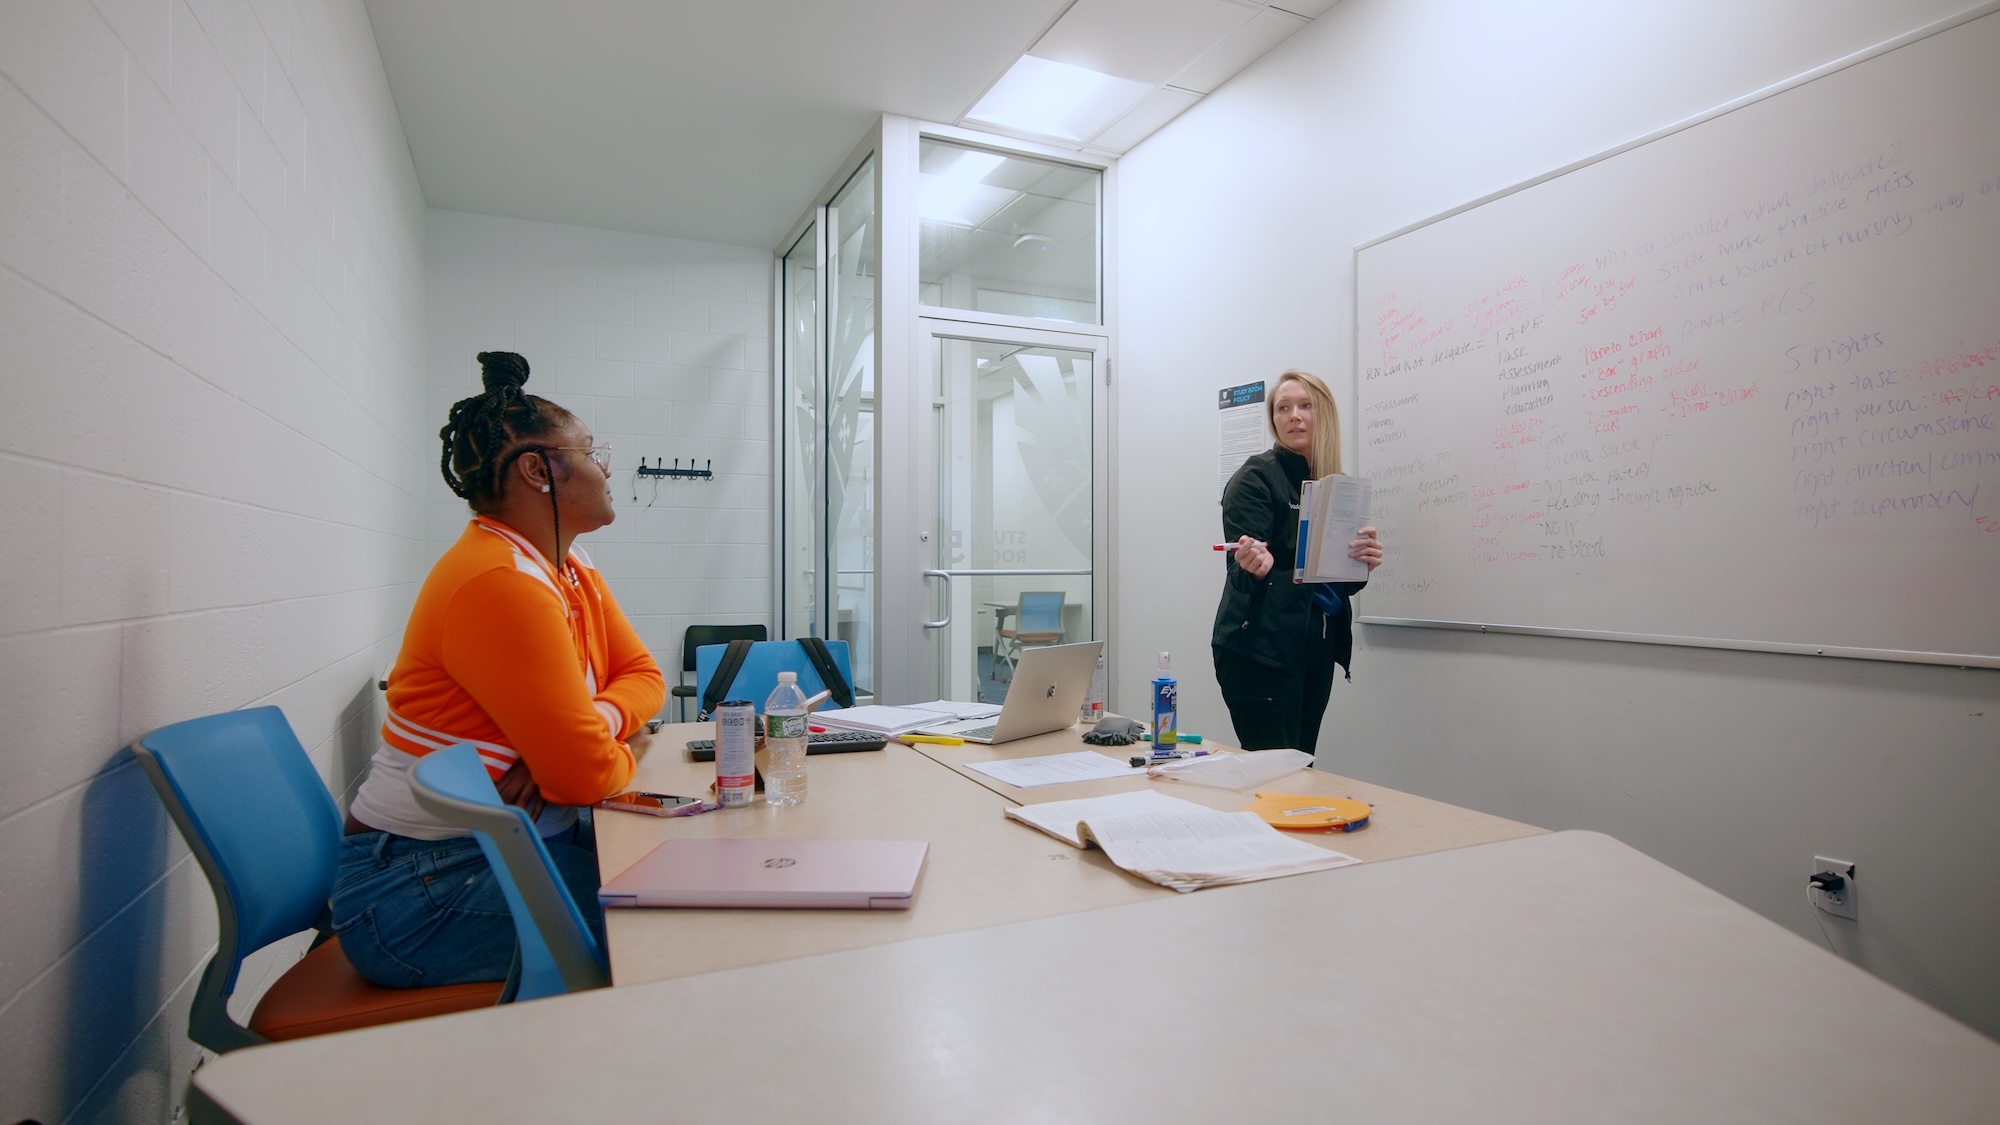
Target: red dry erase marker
{"x":1231,"y":546}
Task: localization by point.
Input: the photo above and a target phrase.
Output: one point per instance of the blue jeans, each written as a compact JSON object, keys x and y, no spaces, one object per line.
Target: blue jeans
{"x":412,"y":913}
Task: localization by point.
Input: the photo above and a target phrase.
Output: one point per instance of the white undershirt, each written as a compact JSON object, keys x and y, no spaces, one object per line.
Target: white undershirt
{"x":385,"y":802}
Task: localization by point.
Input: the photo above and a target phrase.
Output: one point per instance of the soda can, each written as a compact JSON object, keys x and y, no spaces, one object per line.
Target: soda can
{"x":735,"y":753}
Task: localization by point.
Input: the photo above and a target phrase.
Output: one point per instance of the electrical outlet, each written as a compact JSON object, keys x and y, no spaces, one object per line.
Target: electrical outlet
{"x":1842,"y":903}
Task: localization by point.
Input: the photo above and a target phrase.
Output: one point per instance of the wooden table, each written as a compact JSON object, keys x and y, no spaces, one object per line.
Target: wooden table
{"x":1403,"y":823}
{"x":1561,"y":977}
{"x":983,"y":869}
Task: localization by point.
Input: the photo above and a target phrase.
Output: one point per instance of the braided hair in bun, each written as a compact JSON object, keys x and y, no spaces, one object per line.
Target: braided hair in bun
{"x":487,"y":432}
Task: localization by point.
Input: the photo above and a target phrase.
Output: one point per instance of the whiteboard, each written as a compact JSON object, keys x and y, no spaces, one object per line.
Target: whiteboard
{"x":1736,"y":384}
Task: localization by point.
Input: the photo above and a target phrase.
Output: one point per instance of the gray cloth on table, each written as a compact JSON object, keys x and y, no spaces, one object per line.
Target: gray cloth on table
{"x":1114,"y":732}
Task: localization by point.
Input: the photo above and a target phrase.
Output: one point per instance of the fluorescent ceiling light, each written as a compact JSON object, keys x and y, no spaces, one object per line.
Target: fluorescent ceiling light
{"x":1057,"y":99}
{"x":956,"y":195}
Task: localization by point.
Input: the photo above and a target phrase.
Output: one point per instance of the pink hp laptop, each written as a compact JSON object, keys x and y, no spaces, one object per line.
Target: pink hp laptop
{"x":779,"y":874}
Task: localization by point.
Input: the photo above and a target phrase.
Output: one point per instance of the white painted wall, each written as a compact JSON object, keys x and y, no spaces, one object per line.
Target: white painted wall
{"x":1237,"y":224}
{"x":662,"y":347}
{"x":211,"y":308}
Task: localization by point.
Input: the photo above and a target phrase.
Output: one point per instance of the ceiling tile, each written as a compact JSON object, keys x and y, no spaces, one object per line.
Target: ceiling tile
{"x":1165,"y":105}
{"x":711,"y":121}
{"x":1251,"y":42}
{"x":1143,"y":40}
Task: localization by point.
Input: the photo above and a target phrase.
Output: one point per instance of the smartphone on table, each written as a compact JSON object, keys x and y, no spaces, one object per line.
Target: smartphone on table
{"x":655,"y":804}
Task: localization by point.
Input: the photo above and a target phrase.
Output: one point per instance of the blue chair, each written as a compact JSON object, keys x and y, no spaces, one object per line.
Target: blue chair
{"x":1037,"y":621}
{"x":692,"y":642}
{"x":759,"y":673}
{"x":557,"y":952}
{"x":260,"y":822}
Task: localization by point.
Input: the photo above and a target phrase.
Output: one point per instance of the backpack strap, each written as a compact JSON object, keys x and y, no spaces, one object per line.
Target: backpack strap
{"x":725,"y":675}
{"x":829,"y":671}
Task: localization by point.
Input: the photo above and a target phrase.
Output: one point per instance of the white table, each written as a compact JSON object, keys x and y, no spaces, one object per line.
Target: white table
{"x":983,"y":869}
{"x":1560,"y":977}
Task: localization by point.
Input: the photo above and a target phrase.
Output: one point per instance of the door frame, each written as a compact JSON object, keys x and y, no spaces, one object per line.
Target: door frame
{"x":904,"y":542}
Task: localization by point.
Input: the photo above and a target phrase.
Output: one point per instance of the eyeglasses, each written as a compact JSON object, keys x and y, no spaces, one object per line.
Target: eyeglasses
{"x":598,"y":453}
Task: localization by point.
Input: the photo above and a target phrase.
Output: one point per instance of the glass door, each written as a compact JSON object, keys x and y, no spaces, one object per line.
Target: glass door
{"x":943,"y":412}
{"x":1011,"y":508}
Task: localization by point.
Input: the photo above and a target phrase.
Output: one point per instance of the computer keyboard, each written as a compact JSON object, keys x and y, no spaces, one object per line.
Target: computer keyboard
{"x":978,"y":734}
{"x":827,"y":742}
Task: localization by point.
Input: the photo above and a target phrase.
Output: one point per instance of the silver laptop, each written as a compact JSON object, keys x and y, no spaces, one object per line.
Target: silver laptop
{"x":1048,"y":689}
{"x":773,"y":874}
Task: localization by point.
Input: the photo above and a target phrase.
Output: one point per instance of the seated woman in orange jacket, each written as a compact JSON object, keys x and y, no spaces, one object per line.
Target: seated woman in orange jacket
{"x":529,"y":661}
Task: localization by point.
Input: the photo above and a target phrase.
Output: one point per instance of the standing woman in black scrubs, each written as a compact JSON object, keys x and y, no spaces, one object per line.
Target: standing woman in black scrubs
{"x":1276,"y":642}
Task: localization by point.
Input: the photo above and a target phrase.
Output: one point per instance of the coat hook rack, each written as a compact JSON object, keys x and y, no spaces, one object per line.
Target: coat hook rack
{"x":659,"y":469}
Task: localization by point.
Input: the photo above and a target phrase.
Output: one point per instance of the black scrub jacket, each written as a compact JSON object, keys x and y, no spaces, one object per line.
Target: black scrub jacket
{"x":1271,"y":619}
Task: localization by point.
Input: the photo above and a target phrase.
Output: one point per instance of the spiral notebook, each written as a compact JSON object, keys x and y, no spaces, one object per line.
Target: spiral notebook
{"x":1332,"y":510}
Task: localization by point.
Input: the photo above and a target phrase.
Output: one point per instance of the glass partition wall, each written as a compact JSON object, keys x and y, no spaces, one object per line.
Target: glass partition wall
{"x":850,"y":421}
{"x":1000,"y":233}
{"x":945,"y":410}
{"x":801,"y":405}
{"x":826,"y":420}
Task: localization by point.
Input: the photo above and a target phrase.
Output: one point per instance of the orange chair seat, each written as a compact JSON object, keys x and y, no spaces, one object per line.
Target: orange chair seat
{"x":323,"y":993}
{"x":1030,"y":636}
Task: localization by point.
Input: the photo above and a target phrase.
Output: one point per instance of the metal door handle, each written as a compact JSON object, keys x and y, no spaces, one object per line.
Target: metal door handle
{"x":1021,"y":573}
{"x":946,"y":575}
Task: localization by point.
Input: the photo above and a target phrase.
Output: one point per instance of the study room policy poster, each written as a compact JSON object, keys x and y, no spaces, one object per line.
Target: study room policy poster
{"x":1241,"y":410}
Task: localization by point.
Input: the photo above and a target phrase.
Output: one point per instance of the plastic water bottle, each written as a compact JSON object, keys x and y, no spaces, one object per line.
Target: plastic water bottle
{"x":1166,"y":705}
{"x":785,"y":742}
{"x":1093,"y":700}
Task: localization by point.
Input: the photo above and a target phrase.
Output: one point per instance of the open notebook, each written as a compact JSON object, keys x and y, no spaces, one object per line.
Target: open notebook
{"x":1178,"y":843}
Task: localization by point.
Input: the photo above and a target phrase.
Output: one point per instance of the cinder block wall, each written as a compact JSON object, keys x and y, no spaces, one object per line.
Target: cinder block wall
{"x":212,"y":427}
{"x":662,"y":347}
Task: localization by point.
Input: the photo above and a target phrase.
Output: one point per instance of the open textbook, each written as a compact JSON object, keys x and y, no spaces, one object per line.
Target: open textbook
{"x":1178,"y":843}
{"x":1331,"y":510}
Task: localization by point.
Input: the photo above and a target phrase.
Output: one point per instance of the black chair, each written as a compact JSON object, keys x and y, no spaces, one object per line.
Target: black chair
{"x":697,"y":636}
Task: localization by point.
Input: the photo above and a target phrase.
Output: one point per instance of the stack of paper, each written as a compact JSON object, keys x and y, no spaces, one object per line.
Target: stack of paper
{"x":1053,"y":769}
{"x":1178,"y":843}
{"x":957,"y":709}
{"x":876,"y":719}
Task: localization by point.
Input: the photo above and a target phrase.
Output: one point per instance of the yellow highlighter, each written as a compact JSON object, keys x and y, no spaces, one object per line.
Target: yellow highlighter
{"x":936,"y":739}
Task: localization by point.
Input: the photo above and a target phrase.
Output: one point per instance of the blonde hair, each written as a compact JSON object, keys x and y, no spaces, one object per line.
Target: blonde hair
{"x":1324,"y":459}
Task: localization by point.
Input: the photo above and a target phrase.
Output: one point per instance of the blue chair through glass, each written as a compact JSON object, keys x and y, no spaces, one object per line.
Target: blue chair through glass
{"x":1037,"y":621}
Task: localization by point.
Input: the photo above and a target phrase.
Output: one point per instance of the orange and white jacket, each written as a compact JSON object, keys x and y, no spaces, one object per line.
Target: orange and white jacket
{"x":522,"y":662}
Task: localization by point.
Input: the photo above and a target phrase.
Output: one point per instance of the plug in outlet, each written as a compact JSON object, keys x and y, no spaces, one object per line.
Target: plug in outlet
{"x":1841,"y":901}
